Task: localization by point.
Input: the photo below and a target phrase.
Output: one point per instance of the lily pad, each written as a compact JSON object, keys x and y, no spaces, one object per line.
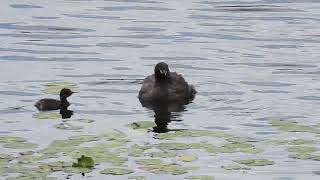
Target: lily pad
{"x":173,"y":169}
{"x":84,"y":138}
{"x":20,"y":145}
{"x":47,"y":115}
{"x":55,"y":87}
{"x":192,"y":133}
{"x":116,"y":171}
{"x":149,"y":161}
{"x":84,"y":162}
{"x":163,"y":154}
{"x":187,"y":158}
{"x":291,"y":126}
{"x":173,"y":146}
{"x":136,"y":150}
{"x":200,"y":177}
{"x":10,"y":139}
{"x":255,"y":162}
{"x":67,"y":126}
{"x":235,"y":167}
{"x":142,"y":125}
{"x":137,"y":177}
{"x":302,"y":149}
{"x":85,"y":120}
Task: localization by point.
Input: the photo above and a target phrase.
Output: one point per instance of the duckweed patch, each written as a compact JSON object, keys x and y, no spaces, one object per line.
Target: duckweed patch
{"x":291,"y":126}
{"x":256,"y":162}
{"x":116,"y":171}
{"x":55,"y":87}
{"x":47,"y":115}
{"x":200,"y":177}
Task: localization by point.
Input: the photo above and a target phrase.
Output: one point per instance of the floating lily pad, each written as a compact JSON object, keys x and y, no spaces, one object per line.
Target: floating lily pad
{"x":200,"y":177}
{"x":10,"y":139}
{"x":174,"y":146}
{"x":84,"y":138}
{"x":235,"y":167}
{"x":163,"y":154}
{"x":302,"y":149}
{"x":136,"y":150}
{"x":84,"y":162}
{"x":173,"y":169}
{"x":47,"y":115}
{"x":67,"y":126}
{"x":85,"y":120}
{"x":149,"y":161}
{"x":188,"y":158}
{"x":301,"y":156}
{"x":60,"y":146}
{"x":116,"y":171}
{"x":255,"y":162}
{"x":192,"y":133}
{"x":137,"y":177}
{"x":291,"y":126}
{"x":26,"y":159}
{"x":142,"y":125}
{"x":55,"y":87}
{"x":20,"y":145}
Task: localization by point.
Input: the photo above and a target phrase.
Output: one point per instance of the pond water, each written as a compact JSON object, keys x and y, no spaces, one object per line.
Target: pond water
{"x":254,"y":63}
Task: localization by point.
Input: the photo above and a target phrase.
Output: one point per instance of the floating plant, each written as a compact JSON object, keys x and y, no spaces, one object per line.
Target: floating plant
{"x":116,"y":171}
{"x":200,"y":177}
{"x":47,"y":115}
{"x":55,"y":87}
{"x":255,"y":162}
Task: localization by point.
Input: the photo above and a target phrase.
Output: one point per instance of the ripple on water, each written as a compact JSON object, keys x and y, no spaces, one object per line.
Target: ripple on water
{"x":24,"y":6}
{"x":55,"y":59}
{"x":272,"y":84}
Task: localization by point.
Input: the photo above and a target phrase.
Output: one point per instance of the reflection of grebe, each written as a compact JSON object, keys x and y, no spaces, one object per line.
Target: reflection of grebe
{"x":166,"y":86}
{"x":54,"y":104}
{"x":65,"y":113}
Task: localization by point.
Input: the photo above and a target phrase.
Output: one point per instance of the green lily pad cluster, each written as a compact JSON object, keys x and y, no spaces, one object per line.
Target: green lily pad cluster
{"x":142,"y":125}
{"x":55,"y":87}
{"x":231,"y":167}
{"x":291,"y":126}
{"x":192,"y":133}
{"x":67,"y":126}
{"x":303,"y":153}
{"x":256,"y":162}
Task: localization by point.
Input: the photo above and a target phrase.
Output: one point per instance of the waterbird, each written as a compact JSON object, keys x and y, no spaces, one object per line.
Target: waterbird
{"x":54,"y":104}
{"x":165,"y":86}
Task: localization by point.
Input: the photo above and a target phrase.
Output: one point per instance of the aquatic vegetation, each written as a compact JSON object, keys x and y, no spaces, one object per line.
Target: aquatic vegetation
{"x":136,"y":150}
{"x":290,"y":142}
{"x":255,"y":162}
{"x":25,"y":159}
{"x":200,"y":177}
{"x":149,"y":161}
{"x":137,"y":177}
{"x":235,"y":167}
{"x":55,"y":87}
{"x":67,"y":126}
{"x":173,"y":169}
{"x":163,"y":154}
{"x":10,"y":139}
{"x":178,"y":146}
{"x":192,"y":133}
{"x":301,"y":149}
{"x":291,"y":126}
{"x":116,"y":171}
{"x":20,"y":145}
{"x":84,"y":162}
{"x":85,"y":120}
{"x":187,"y":158}
{"x":47,"y":115}
{"x":84,"y":138}
{"x":142,"y":125}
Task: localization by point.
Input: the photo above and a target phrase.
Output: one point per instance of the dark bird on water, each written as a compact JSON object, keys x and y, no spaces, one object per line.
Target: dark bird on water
{"x":54,"y":104}
{"x":165,"y":86}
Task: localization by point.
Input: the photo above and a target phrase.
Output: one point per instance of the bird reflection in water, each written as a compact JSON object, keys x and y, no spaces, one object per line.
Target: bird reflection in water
{"x":65,"y":113}
{"x":164,"y":113}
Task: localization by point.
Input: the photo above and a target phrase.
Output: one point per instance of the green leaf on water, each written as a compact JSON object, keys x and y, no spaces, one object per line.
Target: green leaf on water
{"x":116,"y":171}
{"x":67,"y":126}
{"x":235,"y":167}
{"x":255,"y":162}
{"x":302,"y":149}
{"x":85,"y":120}
{"x":84,"y":138}
{"x":187,"y":158}
{"x":142,"y":125}
{"x":291,"y":126}
{"x":84,"y":162}
{"x":10,"y":139}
